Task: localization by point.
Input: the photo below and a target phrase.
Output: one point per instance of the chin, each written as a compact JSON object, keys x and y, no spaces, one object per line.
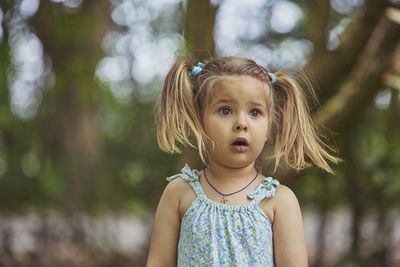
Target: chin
{"x":237,"y":163}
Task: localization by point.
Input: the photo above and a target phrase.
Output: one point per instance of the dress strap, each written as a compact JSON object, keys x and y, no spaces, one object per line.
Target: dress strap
{"x":266,"y":189}
{"x":190,"y":176}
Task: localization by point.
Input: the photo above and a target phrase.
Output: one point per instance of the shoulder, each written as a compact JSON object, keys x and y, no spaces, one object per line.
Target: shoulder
{"x":180,"y":193}
{"x":285,"y":201}
{"x":176,"y":184}
{"x":174,"y":189}
{"x":286,"y":206}
{"x":285,"y":196}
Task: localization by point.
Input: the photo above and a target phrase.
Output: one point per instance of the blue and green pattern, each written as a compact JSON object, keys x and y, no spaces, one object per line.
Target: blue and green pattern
{"x":215,"y":234}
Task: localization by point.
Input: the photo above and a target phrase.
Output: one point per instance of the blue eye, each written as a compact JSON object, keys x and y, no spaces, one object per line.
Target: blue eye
{"x":255,"y":113}
{"x":225,"y":111}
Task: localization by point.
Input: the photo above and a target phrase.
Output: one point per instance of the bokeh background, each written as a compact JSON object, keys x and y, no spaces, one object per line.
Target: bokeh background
{"x":80,"y":170}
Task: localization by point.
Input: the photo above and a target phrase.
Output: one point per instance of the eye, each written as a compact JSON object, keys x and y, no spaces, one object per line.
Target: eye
{"x":255,"y":113}
{"x":225,"y":111}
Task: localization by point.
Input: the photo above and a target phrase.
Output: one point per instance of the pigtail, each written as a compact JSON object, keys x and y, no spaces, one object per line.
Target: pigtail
{"x":296,"y":135}
{"x":178,"y":118}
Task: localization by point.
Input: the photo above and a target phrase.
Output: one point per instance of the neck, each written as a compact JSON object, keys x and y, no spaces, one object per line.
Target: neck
{"x":224,"y":174}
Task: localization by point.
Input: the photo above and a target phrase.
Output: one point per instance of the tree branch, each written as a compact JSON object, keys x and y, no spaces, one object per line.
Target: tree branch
{"x":331,"y":67}
{"x":366,"y":78}
{"x":392,"y":77}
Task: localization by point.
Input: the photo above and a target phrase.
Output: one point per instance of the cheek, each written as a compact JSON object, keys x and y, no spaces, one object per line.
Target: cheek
{"x":261,"y":138}
{"x":207,"y":125}
{"x":215,"y":130}
{"x":262,"y":132}
{"x":212,"y":129}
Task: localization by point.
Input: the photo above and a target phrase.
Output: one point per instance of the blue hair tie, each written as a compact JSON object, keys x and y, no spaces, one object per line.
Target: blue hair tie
{"x":273,"y":78}
{"x":196,"y":70}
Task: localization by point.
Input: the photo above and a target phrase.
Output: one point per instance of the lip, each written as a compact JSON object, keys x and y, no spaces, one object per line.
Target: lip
{"x":240,"y":148}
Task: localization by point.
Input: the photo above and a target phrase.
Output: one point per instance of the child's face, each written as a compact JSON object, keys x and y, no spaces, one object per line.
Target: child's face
{"x":237,"y":109}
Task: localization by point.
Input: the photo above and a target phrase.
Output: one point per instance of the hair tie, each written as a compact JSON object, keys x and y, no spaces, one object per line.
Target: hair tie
{"x":196,"y":70}
{"x":273,"y":77}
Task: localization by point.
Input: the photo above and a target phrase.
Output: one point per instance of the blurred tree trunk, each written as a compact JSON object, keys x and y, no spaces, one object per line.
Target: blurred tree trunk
{"x":319,"y":30}
{"x":6,"y":237}
{"x":199,"y":30}
{"x":322,"y":210}
{"x":355,"y":193}
{"x":5,"y":111}
{"x":69,"y":132}
{"x":4,"y":63}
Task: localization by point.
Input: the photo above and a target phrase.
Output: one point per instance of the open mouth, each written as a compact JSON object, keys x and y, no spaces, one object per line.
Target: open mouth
{"x":240,"y":142}
{"x":240,"y":145}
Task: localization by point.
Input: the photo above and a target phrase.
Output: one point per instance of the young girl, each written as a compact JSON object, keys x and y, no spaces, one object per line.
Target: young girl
{"x":229,"y":214}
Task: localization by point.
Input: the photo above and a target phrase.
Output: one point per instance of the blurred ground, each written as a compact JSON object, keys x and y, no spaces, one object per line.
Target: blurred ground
{"x":122,"y":240}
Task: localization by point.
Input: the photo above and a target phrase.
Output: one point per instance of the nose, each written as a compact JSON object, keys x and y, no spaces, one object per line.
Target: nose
{"x":240,"y":124}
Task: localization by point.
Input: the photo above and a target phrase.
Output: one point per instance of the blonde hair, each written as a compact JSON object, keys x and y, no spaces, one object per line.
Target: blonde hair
{"x":182,"y":101}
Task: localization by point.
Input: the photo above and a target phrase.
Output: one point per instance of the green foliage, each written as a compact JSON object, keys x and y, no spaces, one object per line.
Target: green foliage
{"x":84,"y":150}
{"x":88,"y":150}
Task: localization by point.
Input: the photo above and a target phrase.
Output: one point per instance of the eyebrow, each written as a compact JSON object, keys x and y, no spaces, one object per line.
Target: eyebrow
{"x":223,"y":101}
{"x":257,"y":104}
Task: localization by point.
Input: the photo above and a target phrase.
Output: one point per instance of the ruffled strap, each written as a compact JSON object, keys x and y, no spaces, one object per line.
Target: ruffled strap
{"x":266,"y":189}
{"x":190,"y":176}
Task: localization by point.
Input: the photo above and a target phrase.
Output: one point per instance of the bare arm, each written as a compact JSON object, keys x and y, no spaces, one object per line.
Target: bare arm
{"x":164,"y":241}
{"x":288,"y":230}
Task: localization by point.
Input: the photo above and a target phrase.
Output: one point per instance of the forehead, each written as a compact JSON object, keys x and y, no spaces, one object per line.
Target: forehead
{"x":239,"y":88}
